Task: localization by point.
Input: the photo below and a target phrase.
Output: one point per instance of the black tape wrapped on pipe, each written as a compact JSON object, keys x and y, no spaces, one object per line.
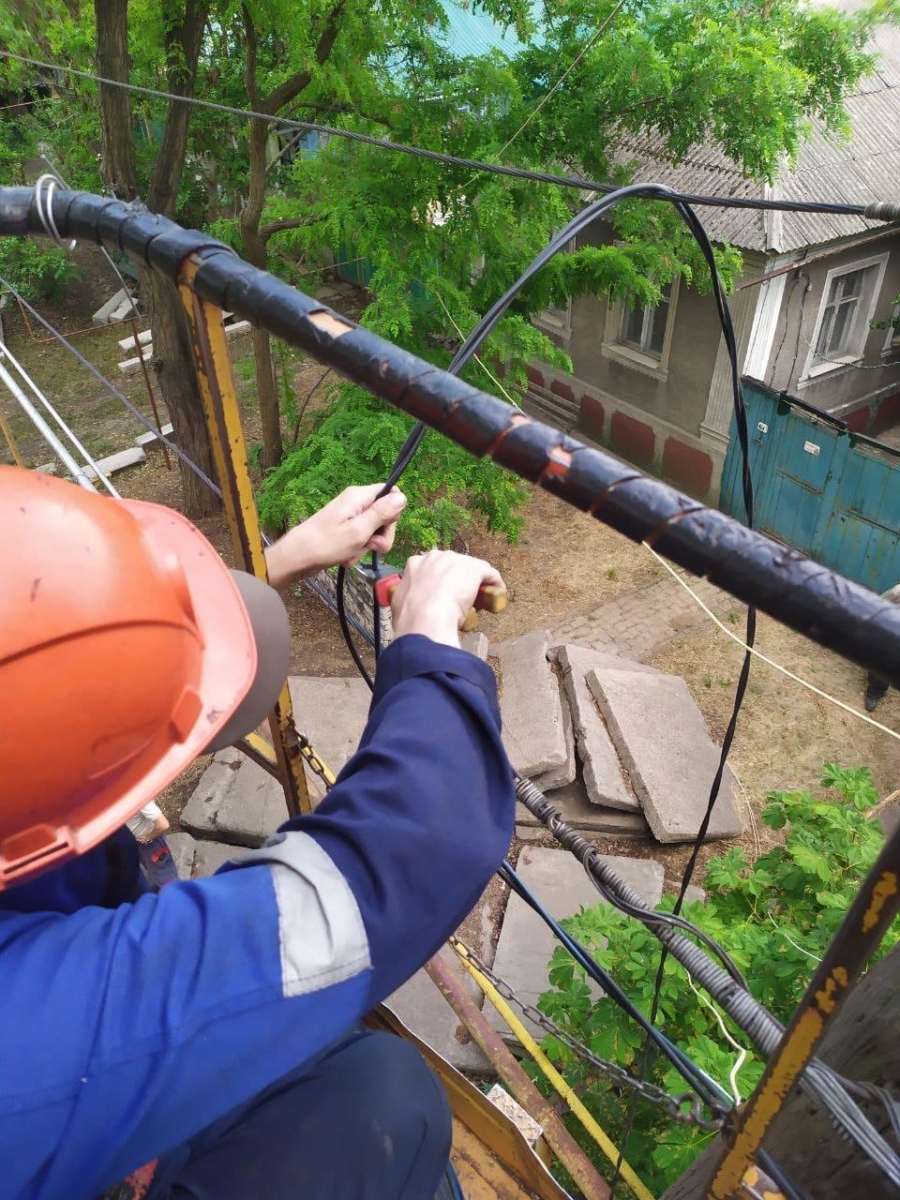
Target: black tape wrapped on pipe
{"x":810,"y":598}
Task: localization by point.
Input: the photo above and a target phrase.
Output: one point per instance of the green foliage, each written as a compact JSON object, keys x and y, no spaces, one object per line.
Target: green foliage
{"x":774,"y":916}
{"x":356,"y":440}
{"x":39,"y":270}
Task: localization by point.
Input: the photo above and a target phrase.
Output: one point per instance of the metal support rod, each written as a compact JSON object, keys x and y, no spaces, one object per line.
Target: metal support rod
{"x":6,"y":353}
{"x":150,"y":393}
{"x":220,"y":405}
{"x":564,"y":1146}
{"x":861,"y":931}
{"x":77,"y":472}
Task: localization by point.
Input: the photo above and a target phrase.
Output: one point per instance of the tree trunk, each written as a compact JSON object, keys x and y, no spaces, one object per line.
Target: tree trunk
{"x":172,"y":355}
{"x":254,"y":243}
{"x":861,"y":1044}
{"x":255,"y":252}
{"x":173,"y":362}
{"x":116,"y":145}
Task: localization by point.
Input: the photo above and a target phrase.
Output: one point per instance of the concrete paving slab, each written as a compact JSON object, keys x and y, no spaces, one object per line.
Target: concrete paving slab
{"x":182,"y":847}
{"x":209,"y":856}
{"x":593,"y":819}
{"x":604,"y":777}
{"x":559,"y":777}
{"x":104,"y":314}
{"x":150,"y":439}
{"x":423,"y":1009}
{"x":252,"y":807}
{"x":118,"y":462}
{"x":144,"y":338}
{"x":604,"y":658}
{"x":199,"y":814}
{"x":663,"y":741}
{"x":332,"y":713}
{"x":560,"y":883}
{"x":530,"y":705}
{"x":476,"y":643}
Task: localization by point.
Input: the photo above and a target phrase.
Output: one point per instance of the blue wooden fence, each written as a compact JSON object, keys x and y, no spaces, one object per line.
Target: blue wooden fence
{"x":831,"y":493}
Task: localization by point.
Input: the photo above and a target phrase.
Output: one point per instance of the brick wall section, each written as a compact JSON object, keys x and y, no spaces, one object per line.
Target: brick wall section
{"x":687,"y":467}
{"x":593,"y":417}
{"x":358,"y":600}
{"x":562,"y":389}
{"x":633,"y":439}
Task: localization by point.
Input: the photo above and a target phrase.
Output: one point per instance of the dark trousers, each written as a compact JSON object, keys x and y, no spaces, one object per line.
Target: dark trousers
{"x":369,"y":1121}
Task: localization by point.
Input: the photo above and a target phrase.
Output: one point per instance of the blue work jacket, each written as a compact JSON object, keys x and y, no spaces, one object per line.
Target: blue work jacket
{"x":127,"y":1029}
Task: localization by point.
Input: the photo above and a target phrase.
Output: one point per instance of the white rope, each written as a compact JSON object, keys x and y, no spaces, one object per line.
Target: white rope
{"x":735,"y":1045}
{"x":811,"y":687}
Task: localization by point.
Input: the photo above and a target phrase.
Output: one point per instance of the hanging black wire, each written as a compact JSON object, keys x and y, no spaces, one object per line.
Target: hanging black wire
{"x":877,"y":211}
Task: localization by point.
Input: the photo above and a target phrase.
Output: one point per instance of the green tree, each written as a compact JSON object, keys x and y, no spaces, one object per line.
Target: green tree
{"x":774,"y":916}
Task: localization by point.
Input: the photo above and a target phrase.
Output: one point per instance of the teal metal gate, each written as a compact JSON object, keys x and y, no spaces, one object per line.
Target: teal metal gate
{"x":831,"y":493}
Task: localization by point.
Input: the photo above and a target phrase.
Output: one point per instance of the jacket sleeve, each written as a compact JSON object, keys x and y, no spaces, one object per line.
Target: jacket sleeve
{"x":137,"y":1027}
{"x":422,"y":814}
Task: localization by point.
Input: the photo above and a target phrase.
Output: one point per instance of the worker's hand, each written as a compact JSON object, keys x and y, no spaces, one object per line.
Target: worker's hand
{"x":339,"y":534}
{"x":436,"y":593}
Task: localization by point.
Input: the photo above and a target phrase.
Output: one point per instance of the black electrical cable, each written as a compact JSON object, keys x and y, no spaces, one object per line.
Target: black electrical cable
{"x":663,"y":918}
{"x":706,"y":1087}
{"x":345,"y":628}
{"x":877,"y":211}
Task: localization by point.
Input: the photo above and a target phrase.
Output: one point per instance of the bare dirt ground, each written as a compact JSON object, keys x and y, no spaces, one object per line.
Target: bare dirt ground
{"x":565,"y":564}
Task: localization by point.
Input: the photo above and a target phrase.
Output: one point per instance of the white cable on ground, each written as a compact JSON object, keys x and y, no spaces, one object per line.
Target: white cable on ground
{"x":854,"y":712}
{"x":6,"y":353}
{"x":742,"y":1050}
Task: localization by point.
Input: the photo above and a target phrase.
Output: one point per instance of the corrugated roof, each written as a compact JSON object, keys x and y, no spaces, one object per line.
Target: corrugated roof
{"x":864,"y":168}
{"x":473,"y":32}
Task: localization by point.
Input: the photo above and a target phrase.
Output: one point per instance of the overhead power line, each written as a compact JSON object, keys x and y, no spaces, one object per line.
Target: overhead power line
{"x":877,"y":211}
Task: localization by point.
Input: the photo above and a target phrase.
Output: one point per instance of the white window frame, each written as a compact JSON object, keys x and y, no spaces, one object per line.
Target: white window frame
{"x":558,"y":322}
{"x":892,"y":340}
{"x":612,"y":347}
{"x":865,"y":310}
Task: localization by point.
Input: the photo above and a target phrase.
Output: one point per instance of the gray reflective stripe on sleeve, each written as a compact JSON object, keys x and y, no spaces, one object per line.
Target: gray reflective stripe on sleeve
{"x":320,"y":930}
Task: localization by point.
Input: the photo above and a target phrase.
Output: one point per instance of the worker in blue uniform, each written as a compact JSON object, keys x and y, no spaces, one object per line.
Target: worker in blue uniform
{"x":204,"y":1043}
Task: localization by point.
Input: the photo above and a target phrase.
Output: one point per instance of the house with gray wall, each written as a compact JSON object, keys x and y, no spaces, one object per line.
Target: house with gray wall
{"x":653,"y":384}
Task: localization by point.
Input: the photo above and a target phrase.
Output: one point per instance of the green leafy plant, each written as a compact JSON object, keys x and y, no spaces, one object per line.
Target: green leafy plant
{"x":774,"y":916}
{"x":38,"y":271}
{"x":356,"y":440}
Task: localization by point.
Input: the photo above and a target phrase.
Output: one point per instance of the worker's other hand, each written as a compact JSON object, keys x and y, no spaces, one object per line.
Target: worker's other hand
{"x":436,"y":593}
{"x":339,"y":534}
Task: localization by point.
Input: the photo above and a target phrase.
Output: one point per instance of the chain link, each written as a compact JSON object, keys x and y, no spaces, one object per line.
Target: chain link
{"x":313,"y":761}
{"x":687,"y":1108}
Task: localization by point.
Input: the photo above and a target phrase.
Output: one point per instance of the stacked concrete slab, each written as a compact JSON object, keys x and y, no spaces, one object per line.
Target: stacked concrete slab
{"x":621,"y":749}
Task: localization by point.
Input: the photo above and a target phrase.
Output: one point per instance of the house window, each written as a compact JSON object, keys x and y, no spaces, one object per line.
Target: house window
{"x":842,"y":327}
{"x":640,"y":335}
{"x":644,"y":328}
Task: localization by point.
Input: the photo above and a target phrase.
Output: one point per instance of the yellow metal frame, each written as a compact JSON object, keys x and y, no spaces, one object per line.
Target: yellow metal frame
{"x":220,"y":405}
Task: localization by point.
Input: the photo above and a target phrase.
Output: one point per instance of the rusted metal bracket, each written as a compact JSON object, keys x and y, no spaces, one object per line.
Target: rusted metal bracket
{"x":561,"y":1142}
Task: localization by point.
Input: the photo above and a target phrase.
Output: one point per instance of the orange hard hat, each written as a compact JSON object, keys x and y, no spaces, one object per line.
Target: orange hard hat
{"x":124,"y":648}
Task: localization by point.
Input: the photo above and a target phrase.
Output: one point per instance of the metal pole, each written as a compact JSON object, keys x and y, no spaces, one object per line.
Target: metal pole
{"x":220,"y":405}
{"x":150,"y":394}
{"x":866,"y":922}
{"x":77,"y":472}
{"x":561,"y":1142}
{"x":5,"y":352}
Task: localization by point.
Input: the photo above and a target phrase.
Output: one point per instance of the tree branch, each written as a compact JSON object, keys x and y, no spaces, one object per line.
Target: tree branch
{"x":288,"y":91}
{"x":267,"y":231}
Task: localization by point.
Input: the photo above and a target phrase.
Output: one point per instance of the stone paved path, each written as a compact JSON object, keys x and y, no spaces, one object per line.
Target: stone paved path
{"x":636,"y":624}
